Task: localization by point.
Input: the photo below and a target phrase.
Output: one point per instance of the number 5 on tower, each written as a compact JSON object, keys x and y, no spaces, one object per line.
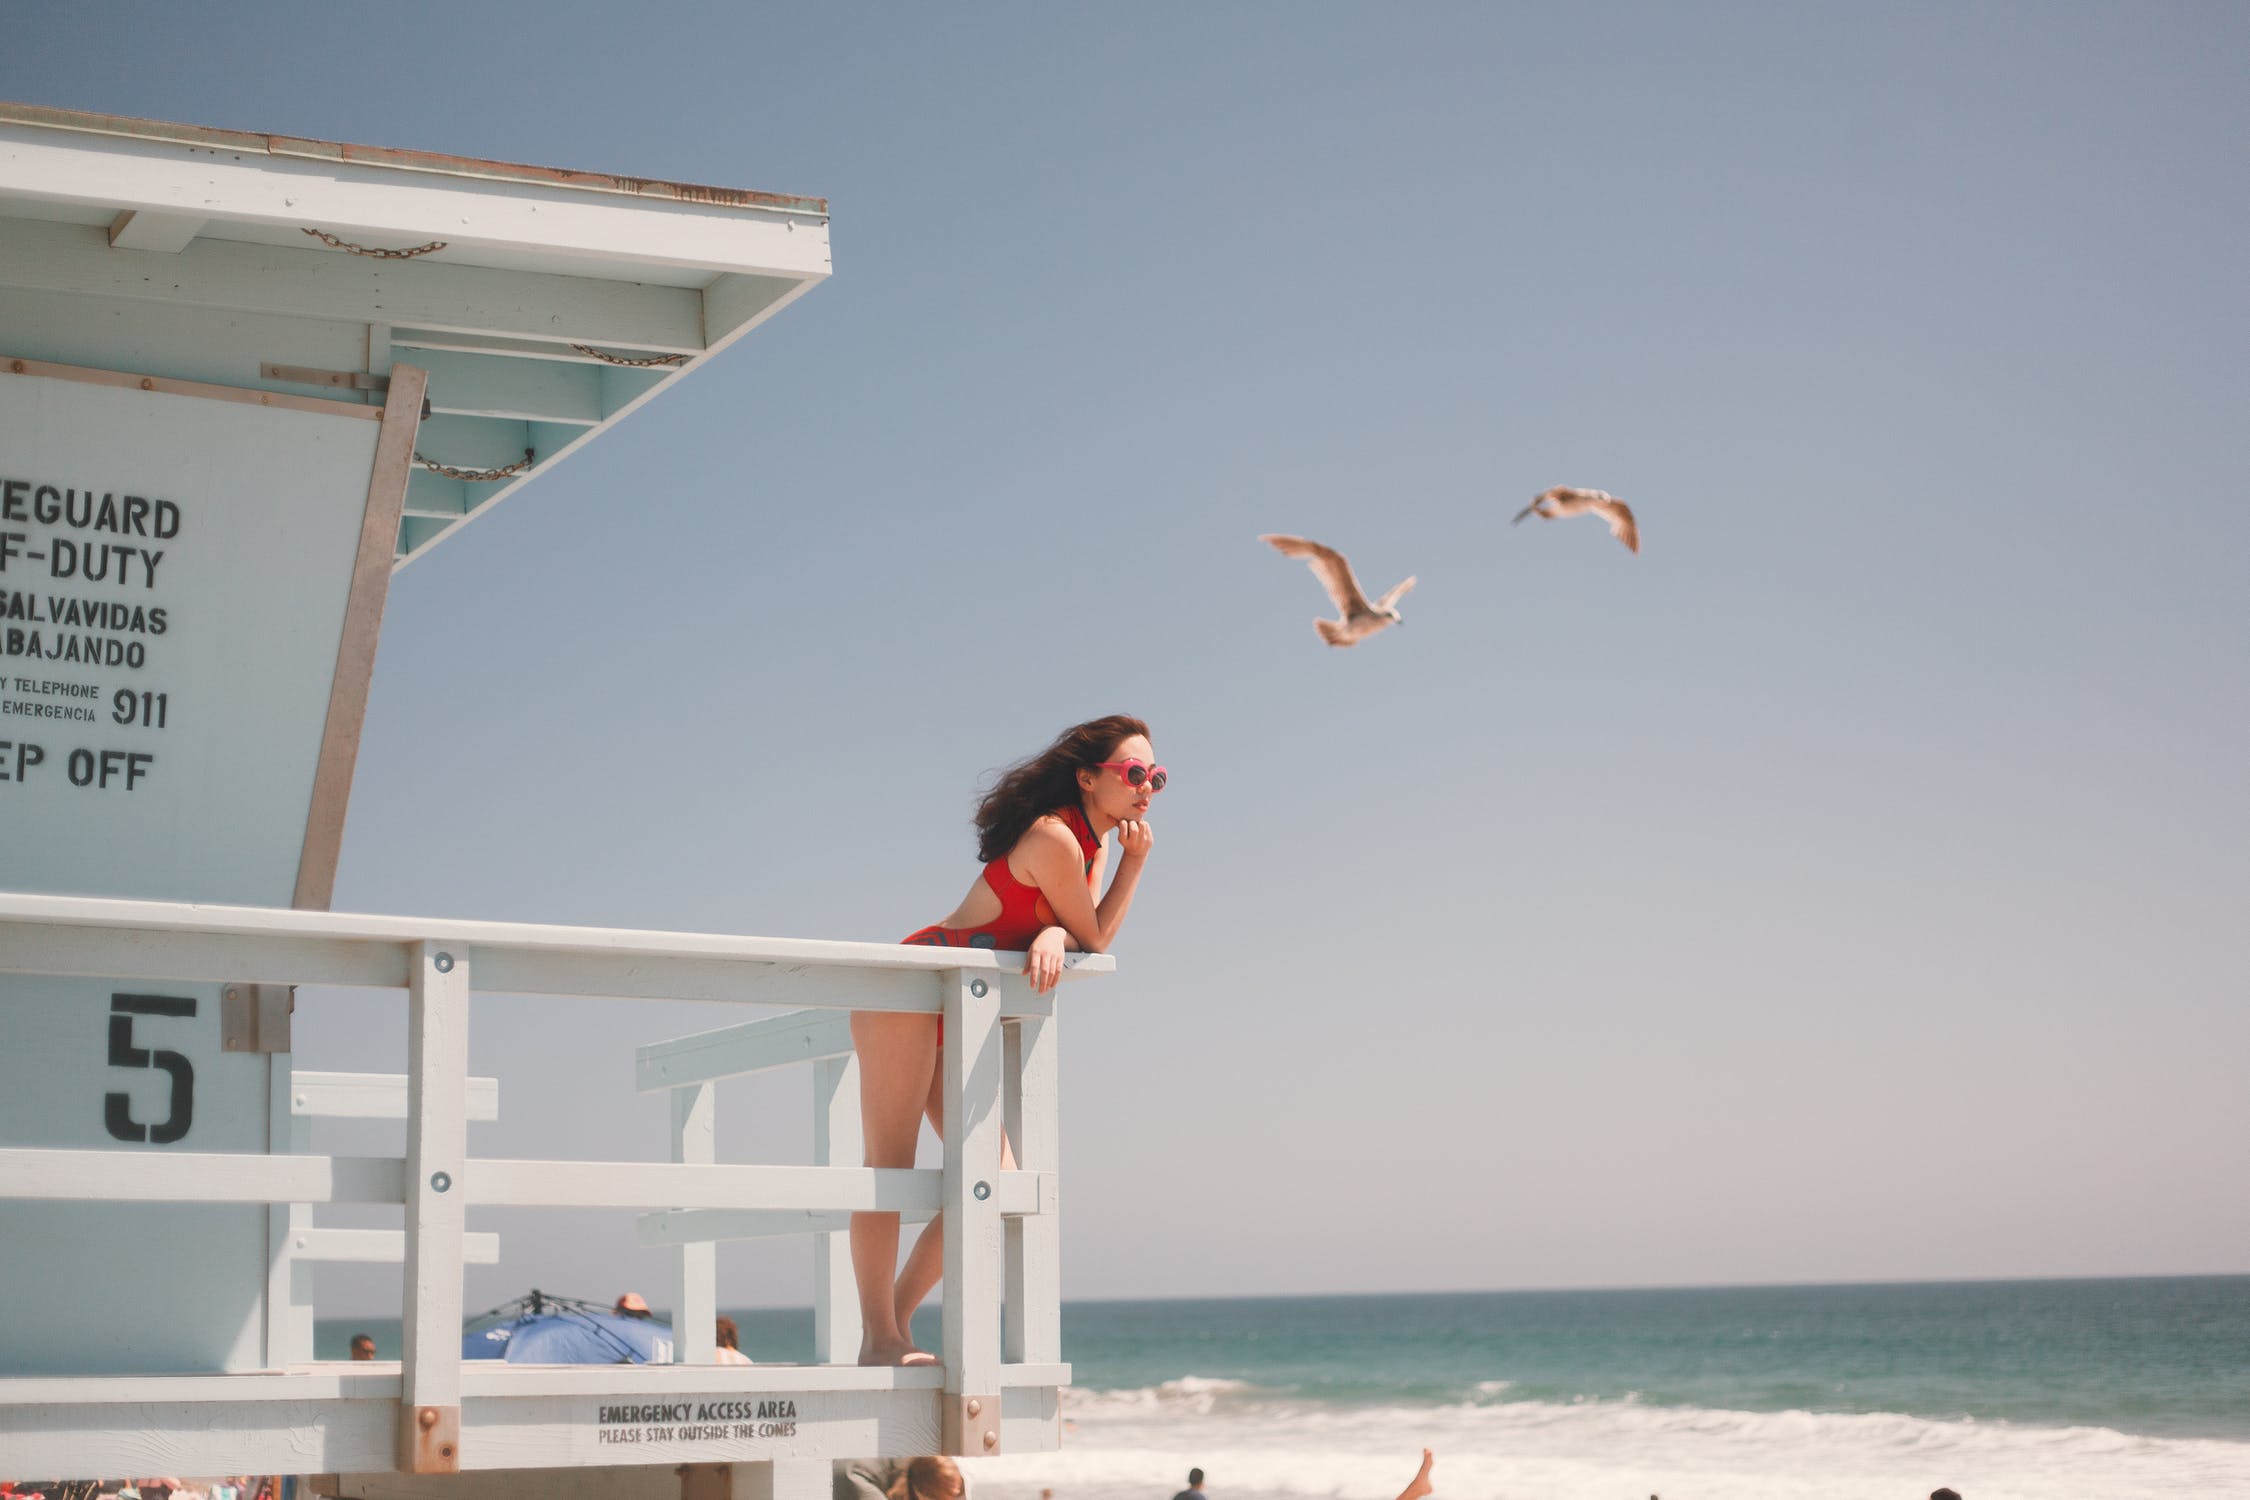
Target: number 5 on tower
{"x":118,"y":1107}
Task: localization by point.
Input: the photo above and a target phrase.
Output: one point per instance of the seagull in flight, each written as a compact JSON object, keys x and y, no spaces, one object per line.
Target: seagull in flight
{"x":1360,"y":619}
{"x":1562,"y":501}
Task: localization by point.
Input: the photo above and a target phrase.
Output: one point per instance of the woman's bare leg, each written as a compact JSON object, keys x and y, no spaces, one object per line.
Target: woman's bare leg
{"x":1421,"y":1485}
{"x":897,"y":1071}
{"x":925,"y":1263}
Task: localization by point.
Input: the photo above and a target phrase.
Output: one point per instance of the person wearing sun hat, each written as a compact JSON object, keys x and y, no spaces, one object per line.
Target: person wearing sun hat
{"x":632,"y":1305}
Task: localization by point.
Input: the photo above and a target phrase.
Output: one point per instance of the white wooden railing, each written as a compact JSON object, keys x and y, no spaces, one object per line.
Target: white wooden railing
{"x":998,"y":1385}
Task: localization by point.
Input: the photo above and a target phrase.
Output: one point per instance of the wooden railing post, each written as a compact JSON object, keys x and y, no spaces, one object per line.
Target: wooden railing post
{"x":971,"y":1424}
{"x":289,"y":1279}
{"x":836,"y":1143}
{"x":1031,"y":1330}
{"x":437,"y":1148}
{"x":695,"y":1266}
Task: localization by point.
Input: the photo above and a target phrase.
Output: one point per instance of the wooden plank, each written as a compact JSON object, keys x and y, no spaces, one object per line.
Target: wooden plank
{"x":831,"y":987}
{"x":52,"y":1175}
{"x":183,"y":343}
{"x":60,"y":1176}
{"x":525,"y":390}
{"x":751,"y":1047}
{"x":110,"y":927}
{"x":288,"y":1304}
{"x":1031,"y":1419}
{"x":435,"y":497}
{"x":481,"y":1379}
{"x":783,"y":1479}
{"x":691,"y":1226}
{"x":645,"y":1483}
{"x":1019,"y":1194}
{"x":162,"y":233}
{"x":355,"y":648}
{"x":779,"y":1479}
{"x":375,"y":1096}
{"x":390,"y":206}
{"x":379,"y":1380}
{"x":13,"y":364}
{"x":437,"y":1172}
{"x":518,"y":1183}
{"x":972,"y":1281}
{"x":219,"y":1435}
{"x":836,"y":1143}
{"x":494,"y":346}
{"x":326,"y":284}
{"x":496,"y":1380}
{"x":370,"y":952}
{"x":695,"y":1264}
{"x":77,"y":951}
{"x":1031,"y":1325}
{"x":377,"y":1247}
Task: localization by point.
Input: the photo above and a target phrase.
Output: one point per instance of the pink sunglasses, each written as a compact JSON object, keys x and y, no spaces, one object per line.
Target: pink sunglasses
{"x":1135,"y":772}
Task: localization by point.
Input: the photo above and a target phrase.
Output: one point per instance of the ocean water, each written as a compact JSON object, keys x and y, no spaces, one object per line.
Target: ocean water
{"x":2040,"y":1390}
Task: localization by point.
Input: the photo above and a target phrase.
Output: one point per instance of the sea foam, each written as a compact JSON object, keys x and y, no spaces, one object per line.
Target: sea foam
{"x":1262,"y":1444}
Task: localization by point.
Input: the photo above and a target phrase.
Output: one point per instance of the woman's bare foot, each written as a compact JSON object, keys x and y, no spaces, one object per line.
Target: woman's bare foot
{"x":1421,"y":1485}
{"x":899,"y":1353}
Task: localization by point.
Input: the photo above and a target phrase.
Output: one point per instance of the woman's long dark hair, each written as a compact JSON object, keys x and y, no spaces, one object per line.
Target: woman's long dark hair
{"x":928,"y":1479}
{"x":1029,"y":789}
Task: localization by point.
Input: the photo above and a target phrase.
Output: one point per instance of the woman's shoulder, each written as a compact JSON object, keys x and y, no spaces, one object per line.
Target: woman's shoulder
{"x":1050,"y":830}
{"x":1055,"y":824}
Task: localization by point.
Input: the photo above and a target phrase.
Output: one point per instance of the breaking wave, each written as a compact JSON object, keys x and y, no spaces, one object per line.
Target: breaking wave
{"x":1261,"y":1444}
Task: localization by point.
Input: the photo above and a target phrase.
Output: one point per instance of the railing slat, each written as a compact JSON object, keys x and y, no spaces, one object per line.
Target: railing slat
{"x":695,"y":1264}
{"x":1031,"y":1325}
{"x":752,"y":1047}
{"x":198,"y":1177}
{"x":375,"y":1096}
{"x":1019,"y":1194}
{"x":836,"y":1142}
{"x":521,"y":1183}
{"x":496,"y":1181}
{"x":376,"y":1247}
{"x":115,"y":923}
{"x":437,"y":1172}
{"x":972,"y":1216}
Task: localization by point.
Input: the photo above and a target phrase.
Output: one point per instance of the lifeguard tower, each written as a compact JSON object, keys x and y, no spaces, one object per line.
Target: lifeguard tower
{"x":243,"y":380}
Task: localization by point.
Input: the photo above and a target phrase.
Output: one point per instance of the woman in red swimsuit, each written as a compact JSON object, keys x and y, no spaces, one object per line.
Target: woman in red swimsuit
{"x":1039,"y":832}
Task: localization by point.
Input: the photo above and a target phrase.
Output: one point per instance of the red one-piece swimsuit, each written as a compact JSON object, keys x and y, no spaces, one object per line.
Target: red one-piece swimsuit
{"x":1023,"y":911}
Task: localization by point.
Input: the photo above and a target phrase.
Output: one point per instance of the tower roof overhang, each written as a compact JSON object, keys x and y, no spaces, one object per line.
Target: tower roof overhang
{"x":546,"y":304}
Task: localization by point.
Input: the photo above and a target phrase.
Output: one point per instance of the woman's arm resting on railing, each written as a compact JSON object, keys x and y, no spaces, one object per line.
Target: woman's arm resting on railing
{"x":1061,"y":879}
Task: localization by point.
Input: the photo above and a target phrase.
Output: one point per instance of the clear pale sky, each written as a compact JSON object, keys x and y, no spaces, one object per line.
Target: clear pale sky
{"x":1853,"y":885}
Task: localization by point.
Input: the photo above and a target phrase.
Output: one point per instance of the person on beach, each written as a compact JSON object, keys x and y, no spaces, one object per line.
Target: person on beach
{"x":729,"y":1338}
{"x":1194,"y":1491}
{"x":1040,"y":834}
{"x":363,"y":1346}
{"x":898,"y":1479}
{"x":1420,"y":1484}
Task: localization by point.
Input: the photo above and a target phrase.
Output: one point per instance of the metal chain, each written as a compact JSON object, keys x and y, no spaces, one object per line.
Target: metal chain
{"x":631,"y":364}
{"x":334,"y":243}
{"x":477,"y":476}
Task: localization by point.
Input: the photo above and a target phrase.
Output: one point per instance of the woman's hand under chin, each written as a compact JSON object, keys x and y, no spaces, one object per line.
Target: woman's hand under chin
{"x":1135,"y":838}
{"x":1043,"y":963}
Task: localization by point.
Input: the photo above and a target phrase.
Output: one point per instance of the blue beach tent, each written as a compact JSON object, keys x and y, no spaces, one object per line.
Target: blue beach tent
{"x":544,"y":1330}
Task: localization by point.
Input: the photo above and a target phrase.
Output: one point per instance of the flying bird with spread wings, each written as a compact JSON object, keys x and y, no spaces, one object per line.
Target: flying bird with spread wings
{"x":1359,"y":619}
{"x":1563,"y":500}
